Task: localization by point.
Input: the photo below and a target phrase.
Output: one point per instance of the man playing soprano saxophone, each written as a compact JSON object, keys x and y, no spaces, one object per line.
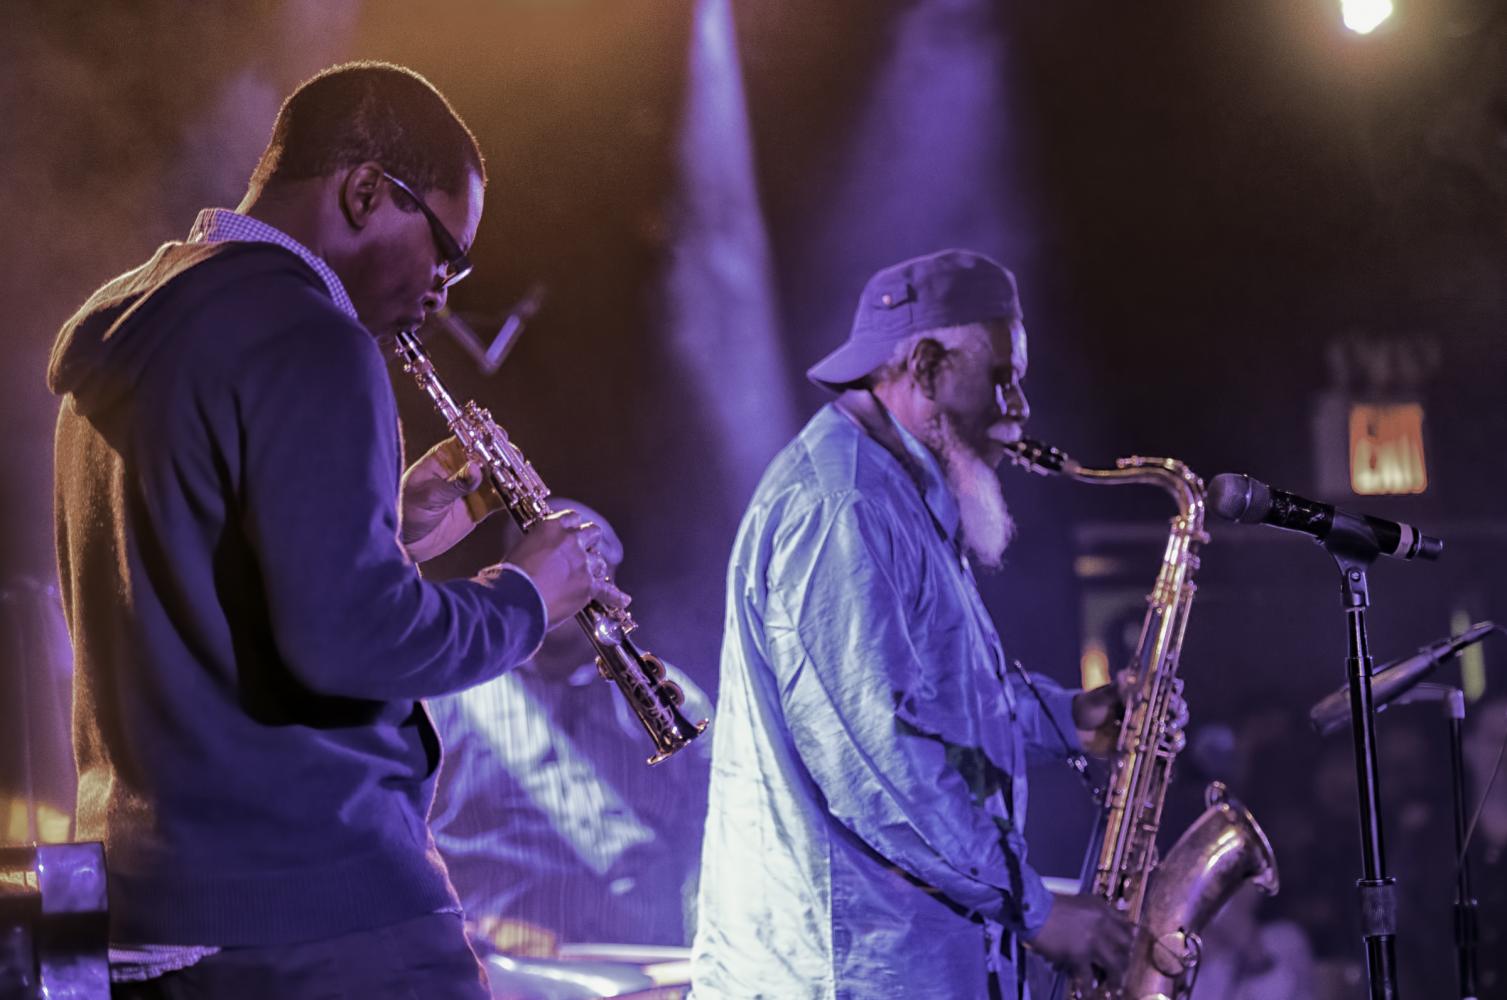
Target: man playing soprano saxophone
{"x":865,"y":830}
{"x":250,"y":629}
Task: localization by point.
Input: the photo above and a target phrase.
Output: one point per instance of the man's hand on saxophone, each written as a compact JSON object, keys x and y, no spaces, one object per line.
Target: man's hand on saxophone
{"x":559,"y":553}
{"x":1085,"y":936}
{"x":442,"y":500}
{"x":1099,"y":713}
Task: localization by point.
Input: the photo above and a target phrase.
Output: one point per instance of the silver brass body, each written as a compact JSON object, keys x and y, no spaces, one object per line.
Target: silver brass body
{"x":639,"y":675}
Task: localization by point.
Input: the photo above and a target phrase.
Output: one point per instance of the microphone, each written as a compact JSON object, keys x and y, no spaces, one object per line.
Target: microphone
{"x":1240,"y":498}
{"x":1392,"y":680}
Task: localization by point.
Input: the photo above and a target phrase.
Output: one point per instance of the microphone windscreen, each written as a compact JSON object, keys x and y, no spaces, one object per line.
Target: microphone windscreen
{"x":1239,"y":498}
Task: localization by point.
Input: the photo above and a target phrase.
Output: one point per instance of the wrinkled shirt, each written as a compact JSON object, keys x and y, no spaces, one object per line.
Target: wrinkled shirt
{"x":548,"y":816}
{"x":864,"y":833}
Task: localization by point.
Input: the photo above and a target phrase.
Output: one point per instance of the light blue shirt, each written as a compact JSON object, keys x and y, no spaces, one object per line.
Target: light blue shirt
{"x":547,"y":813}
{"x":868,"y":796}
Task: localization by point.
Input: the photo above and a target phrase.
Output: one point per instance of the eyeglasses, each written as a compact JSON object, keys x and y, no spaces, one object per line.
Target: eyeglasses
{"x":457,"y":264}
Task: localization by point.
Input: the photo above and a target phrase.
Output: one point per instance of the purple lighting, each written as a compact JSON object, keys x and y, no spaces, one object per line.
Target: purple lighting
{"x":719,"y":300}
{"x":929,"y":160}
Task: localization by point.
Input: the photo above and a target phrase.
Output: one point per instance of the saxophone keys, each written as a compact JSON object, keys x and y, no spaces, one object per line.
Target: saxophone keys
{"x":1176,"y":954}
{"x":672,"y":693}
{"x":606,"y":629}
{"x":654,"y":667}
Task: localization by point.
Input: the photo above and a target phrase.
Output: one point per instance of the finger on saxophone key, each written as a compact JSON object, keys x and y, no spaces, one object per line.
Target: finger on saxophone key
{"x":607,"y":593}
{"x":1084,"y":933}
{"x":592,"y":539}
{"x":552,"y":555}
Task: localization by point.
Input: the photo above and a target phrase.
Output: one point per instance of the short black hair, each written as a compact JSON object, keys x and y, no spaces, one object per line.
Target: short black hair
{"x":361,"y":111}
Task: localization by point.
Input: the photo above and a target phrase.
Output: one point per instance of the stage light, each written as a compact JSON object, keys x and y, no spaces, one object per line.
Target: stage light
{"x":1365,"y":16}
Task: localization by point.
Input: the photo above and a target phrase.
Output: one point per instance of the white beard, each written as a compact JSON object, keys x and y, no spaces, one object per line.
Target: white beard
{"x":983,"y":515}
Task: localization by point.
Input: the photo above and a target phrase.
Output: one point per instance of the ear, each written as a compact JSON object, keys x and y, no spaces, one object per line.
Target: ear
{"x":925,"y":364}
{"x":361,"y":193}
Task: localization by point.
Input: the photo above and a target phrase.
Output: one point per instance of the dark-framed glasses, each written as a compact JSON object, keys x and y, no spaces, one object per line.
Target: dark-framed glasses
{"x":457,"y":264}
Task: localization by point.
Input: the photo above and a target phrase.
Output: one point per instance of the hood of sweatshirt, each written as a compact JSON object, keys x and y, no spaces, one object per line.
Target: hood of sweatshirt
{"x":101,"y":351}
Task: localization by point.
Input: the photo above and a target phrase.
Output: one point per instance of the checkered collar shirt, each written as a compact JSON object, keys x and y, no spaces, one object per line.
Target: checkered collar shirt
{"x":218,"y":225}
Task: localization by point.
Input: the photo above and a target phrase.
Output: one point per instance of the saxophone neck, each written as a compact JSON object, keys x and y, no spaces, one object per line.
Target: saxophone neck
{"x":1185,"y":487}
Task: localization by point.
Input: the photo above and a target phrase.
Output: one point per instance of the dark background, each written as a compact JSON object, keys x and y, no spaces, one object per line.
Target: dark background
{"x":1205,"y":203}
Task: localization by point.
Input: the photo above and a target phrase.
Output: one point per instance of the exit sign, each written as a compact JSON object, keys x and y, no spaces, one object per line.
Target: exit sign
{"x":1386,"y":449}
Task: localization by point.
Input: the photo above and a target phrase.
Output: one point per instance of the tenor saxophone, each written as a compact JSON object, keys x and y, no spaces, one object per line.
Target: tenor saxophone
{"x":1169,"y":900}
{"x":639,"y":675}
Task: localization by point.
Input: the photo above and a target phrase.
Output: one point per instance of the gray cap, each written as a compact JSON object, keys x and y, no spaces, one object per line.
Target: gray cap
{"x":946,"y":288}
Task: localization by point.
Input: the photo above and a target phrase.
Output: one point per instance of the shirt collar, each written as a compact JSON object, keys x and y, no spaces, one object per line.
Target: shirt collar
{"x":220,"y":225}
{"x":934,"y":490}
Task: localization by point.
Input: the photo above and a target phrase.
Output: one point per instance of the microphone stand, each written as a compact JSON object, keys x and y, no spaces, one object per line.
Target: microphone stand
{"x":1465,"y":921}
{"x":1466,"y":926}
{"x":1354,"y":549}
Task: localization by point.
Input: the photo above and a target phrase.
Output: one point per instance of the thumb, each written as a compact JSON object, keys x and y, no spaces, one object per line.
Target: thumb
{"x":466,"y":479}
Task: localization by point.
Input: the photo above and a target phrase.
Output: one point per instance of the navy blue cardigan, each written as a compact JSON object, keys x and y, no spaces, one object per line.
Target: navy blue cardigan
{"x":250,"y":640}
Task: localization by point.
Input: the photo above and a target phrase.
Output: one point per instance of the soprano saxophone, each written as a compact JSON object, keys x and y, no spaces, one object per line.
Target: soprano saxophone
{"x":639,"y":675}
{"x":1172,"y":898}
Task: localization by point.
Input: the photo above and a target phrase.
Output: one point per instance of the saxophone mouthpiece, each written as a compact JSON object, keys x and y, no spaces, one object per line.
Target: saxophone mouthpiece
{"x":1039,"y":457}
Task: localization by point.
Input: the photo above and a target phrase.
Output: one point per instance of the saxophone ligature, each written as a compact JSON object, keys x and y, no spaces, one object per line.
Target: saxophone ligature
{"x":639,"y":675}
{"x":1169,"y":899}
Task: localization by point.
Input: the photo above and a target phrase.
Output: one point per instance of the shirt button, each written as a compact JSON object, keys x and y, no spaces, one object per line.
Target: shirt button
{"x":887,"y":299}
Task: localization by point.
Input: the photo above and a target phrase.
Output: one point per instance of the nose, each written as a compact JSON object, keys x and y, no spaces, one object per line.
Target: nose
{"x":1012,"y":402}
{"x":434,"y":299}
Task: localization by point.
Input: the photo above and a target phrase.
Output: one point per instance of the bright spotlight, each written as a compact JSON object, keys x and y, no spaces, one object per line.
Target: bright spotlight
{"x":1365,"y":16}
